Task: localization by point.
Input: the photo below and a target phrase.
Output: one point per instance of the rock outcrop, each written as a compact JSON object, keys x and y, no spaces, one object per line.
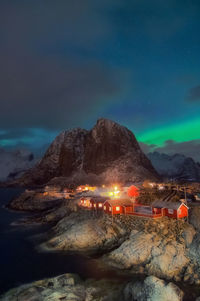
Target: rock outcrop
{"x":194,"y":217}
{"x":34,"y":201}
{"x":65,"y":287}
{"x":152,"y":289}
{"x":159,"y":249}
{"x":108,"y":153}
{"x":70,"y":287}
{"x":84,"y":233}
{"x":156,"y":256}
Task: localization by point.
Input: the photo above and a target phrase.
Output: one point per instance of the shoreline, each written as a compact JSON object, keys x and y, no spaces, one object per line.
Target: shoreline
{"x":94,"y":254}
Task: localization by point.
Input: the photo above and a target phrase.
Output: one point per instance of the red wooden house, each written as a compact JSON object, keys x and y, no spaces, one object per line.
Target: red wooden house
{"x":118,"y":206}
{"x":92,"y":202}
{"x":85,"y":202}
{"x":170,"y":209}
{"x":97,"y":203}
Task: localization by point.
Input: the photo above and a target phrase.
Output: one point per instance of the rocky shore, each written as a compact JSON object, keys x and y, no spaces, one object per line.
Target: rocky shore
{"x":70,"y":287}
{"x":162,"y":248}
{"x":66,"y":287}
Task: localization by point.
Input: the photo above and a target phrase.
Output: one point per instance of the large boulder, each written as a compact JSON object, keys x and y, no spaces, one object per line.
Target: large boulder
{"x":171,"y":261}
{"x":134,"y":251}
{"x":152,"y":289}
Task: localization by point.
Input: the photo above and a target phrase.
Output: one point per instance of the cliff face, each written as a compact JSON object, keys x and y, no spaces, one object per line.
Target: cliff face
{"x":109,"y":152}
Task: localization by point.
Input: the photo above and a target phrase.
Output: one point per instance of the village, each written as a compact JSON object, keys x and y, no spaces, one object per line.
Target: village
{"x":150,"y":200}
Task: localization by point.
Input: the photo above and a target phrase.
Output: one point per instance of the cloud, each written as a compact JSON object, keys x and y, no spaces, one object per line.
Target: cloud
{"x":188,"y":148}
{"x":147,"y":148}
{"x":65,"y":63}
{"x":34,"y":139}
{"x":50,"y":76}
{"x":50,"y":93}
{"x":194,"y":94}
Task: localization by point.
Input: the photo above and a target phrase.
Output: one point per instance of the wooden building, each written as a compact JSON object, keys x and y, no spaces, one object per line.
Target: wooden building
{"x":118,"y":206}
{"x":93,"y":202}
{"x":170,"y":209}
{"x":86,"y":202}
{"x":97,"y":202}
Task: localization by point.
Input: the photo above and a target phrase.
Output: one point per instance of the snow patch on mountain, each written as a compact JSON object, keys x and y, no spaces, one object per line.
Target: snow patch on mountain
{"x":14,"y":163}
{"x":175,"y":166}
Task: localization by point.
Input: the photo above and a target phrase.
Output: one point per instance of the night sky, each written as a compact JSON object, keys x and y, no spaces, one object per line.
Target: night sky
{"x":65,"y":63}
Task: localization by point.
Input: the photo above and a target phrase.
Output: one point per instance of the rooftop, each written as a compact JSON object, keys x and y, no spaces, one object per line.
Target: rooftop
{"x":120,"y":202}
{"x":169,"y":205}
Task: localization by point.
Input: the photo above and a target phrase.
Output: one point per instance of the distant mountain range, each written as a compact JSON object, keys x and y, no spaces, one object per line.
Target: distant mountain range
{"x":14,"y":163}
{"x":177,"y":167}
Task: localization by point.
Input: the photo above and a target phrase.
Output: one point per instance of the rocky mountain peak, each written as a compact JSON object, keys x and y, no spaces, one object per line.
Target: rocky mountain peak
{"x":108,"y":152}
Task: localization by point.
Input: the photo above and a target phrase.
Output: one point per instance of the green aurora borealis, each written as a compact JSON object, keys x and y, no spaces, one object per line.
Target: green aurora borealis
{"x":68,"y":63}
{"x":179,"y":132}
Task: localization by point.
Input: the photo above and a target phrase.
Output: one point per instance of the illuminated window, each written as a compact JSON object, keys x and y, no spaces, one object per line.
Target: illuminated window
{"x":95,"y":205}
{"x":110,"y":209}
{"x":104,"y":207}
{"x":117,"y":208}
{"x":100,"y":205}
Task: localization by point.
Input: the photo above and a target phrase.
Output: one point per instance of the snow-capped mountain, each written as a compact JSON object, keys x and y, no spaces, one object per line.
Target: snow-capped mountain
{"x":177,"y":167}
{"x":108,"y":152}
{"x":14,"y":163}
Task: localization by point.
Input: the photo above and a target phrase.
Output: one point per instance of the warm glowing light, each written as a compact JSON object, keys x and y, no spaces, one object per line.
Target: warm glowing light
{"x":100,"y":205}
{"x":133,"y":191}
{"x":114,"y":192}
{"x":117,"y":208}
